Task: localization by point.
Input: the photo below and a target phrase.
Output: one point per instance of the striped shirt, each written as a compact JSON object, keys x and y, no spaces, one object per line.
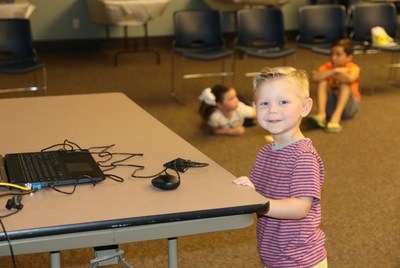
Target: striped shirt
{"x":296,"y":170}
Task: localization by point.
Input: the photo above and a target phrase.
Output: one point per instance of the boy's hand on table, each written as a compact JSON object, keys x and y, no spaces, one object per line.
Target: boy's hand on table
{"x":245,"y":181}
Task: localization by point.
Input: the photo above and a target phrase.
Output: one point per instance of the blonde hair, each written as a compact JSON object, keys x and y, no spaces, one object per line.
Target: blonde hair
{"x":298,"y":77}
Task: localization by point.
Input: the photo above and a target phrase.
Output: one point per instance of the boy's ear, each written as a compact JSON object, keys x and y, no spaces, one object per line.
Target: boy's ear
{"x":307,"y":105}
{"x":350,"y":57}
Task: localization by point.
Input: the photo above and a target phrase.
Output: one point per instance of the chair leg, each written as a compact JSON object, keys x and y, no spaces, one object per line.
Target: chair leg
{"x":232,"y":72}
{"x":182,"y":80}
{"x":225,"y":73}
{"x":222,"y":69}
{"x":246,"y":69}
{"x":294,"y":60}
{"x":38,"y":84}
{"x":394,"y":64}
{"x":176,"y":88}
{"x":44,"y":73}
{"x":172,"y":92}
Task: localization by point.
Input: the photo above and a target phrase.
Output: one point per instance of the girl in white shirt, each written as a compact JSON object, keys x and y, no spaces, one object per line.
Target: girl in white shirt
{"x":223,"y":112}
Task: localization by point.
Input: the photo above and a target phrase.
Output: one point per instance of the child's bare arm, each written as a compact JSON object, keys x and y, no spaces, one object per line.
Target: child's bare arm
{"x":289,"y":208}
{"x":234,"y":131}
{"x":345,"y":75}
{"x":322,"y":75}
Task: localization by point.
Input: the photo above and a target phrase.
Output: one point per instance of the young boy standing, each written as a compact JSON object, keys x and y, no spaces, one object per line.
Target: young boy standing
{"x":338,"y":94}
{"x":289,"y":172}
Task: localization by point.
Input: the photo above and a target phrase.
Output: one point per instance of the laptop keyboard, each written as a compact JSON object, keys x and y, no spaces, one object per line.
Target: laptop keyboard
{"x":41,"y":166}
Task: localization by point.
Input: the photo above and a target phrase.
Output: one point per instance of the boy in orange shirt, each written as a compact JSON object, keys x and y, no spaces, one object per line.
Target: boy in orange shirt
{"x":338,"y":94}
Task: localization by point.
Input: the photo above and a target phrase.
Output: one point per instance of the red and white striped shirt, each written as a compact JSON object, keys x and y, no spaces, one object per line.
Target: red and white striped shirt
{"x":296,"y":170}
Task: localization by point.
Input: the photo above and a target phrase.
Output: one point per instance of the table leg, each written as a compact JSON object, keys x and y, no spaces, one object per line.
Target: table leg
{"x":172,"y":252}
{"x":55,"y":259}
{"x":136,"y":50}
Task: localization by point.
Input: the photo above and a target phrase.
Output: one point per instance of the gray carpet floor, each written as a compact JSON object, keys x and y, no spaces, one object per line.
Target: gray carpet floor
{"x":361,"y":194}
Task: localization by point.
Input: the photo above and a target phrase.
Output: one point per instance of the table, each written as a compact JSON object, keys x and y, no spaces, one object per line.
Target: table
{"x":127,"y":13}
{"x":114,"y":212}
{"x":16,"y":10}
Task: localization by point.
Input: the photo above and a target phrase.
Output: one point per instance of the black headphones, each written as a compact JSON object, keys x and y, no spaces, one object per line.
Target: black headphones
{"x":15,"y":203}
{"x":181,"y":165}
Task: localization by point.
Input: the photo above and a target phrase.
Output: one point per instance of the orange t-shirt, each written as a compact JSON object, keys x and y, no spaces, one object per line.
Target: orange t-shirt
{"x":356,"y":83}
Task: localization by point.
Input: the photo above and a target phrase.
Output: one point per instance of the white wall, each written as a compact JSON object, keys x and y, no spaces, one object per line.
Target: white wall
{"x":52,"y":20}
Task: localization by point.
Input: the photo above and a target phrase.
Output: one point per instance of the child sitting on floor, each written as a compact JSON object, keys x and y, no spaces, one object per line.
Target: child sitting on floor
{"x":223,"y":112}
{"x":338,"y":94}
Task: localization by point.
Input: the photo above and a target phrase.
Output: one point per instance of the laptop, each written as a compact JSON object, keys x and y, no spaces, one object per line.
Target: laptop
{"x":52,"y":168}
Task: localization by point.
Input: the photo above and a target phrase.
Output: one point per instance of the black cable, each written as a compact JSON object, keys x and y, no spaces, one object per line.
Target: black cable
{"x":148,"y":176}
{"x":18,"y":194}
{"x":74,"y":186}
{"x":9,"y":214}
{"x":9,"y":243}
{"x":103,"y":147}
{"x":104,"y":153}
{"x":155,"y":175}
{"x":19,"y":197}
{"x":119,"y":163}
{"x":115,"y":177}
{"x":66,"y":145}
{"x":176,"y":170}
{"x":103,"y":150}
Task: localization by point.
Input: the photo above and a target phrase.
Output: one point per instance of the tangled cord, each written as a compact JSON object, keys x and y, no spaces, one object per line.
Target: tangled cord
{"x":165,"y":170}
{"x":107,"y":156}
{"x":105,"y":164}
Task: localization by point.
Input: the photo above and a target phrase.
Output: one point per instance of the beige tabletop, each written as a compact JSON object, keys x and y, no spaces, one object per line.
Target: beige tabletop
{"x":31,"y":124}
{"x":16,"y":10}
{"x":125,"y":12}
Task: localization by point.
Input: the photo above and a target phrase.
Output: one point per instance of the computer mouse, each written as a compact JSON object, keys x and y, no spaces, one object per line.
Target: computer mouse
{"x":166,"y":182}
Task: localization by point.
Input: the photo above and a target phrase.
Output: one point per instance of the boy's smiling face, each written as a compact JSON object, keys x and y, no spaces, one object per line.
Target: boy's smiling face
{"x":280,"y":109}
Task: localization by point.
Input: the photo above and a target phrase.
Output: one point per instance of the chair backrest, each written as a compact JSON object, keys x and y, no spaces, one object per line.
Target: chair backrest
{"x":15,"y":40}
{"x":260,"y":28}
{"x":365,"y":16}
{"x":198,"y":29}
{"x":321,"y":24}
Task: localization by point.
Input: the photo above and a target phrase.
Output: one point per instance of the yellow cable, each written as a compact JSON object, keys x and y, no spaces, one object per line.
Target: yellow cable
{"x":5,"y":184}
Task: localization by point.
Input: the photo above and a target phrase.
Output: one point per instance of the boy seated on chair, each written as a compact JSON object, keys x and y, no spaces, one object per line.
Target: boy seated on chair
{"x":338,"y":94}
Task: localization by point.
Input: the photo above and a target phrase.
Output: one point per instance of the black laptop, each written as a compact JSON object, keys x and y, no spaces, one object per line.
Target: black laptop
{"x":52,"y":168}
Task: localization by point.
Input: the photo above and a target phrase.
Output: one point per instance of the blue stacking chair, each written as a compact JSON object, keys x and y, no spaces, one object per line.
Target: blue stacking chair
{"x":363,"y":17}
{"x":17,"y":55}
{"x":198,"y":37}
{"x":320,"y":26}
{"x":261,"y":34}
